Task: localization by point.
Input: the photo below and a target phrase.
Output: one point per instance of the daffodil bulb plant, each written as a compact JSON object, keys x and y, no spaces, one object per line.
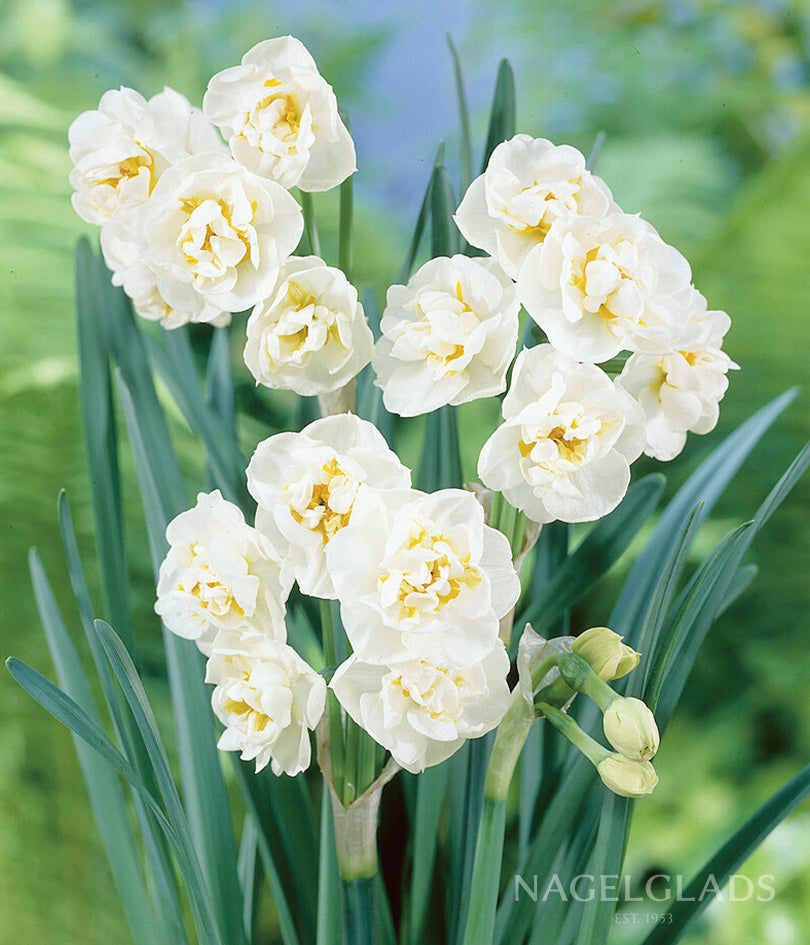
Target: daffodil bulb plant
{"x":370,"y":664}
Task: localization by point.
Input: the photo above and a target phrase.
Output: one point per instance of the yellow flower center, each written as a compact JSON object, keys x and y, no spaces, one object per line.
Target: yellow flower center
{"x":320,"y":513}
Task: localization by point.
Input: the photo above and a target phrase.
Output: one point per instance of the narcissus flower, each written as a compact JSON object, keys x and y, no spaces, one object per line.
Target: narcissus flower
{"x":528,"y":184}
{"x":310,"y":335}
{"x":448,"y":336}
{"x":569,"y":436}
{"x":281,"y":118}
{"x":421,"y":711}
{"x":121,"y":149}
{"x":306,"y":484}
{"x":267,"y":698}
{"x":421,"y":577}
{"x":220,"y":574}
{"x":213,"y":234}
{"x":680,"y":392}
{"x":598,"y":286}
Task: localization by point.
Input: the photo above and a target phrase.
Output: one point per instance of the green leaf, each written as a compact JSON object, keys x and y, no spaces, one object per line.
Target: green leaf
{"x":104,"y":791}
{"x":310,"y":226}
{"x":98,"y":421}
{"x":607,"y":860}
{"x":649,"y":636}
{"x":694,"y":615}
{"x":440,"y":462}
{"x":431,"y":789}
{"x":249,"y":872}
{"x":729,"y":858}
{"x":739,"y":585}
{"x":204,"y":791}
{"x":707,"y":483}
{"x":202,"y":900}
{"x":219,"y":387}
{"x":515,"y":915}
{"x":67,"y":711}
{"x":502,"y":120}
{"x":464,"y":118}
{"x":444,"y":234}
{"x":329,"y":910}
{"x":176,"y":366}
{"x":601,"y":548}
{"x":421,"y":223}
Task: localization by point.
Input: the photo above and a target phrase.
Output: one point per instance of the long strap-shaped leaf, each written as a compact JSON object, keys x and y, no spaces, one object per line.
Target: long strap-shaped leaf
{"x":707,"y":483}
{"x":728,"y":859}
{"x":98,"y":421}
{"x":502,"y":118}
{"x":65,"y":710}
{"x":203,"y":785}
{"x":464,"y":118}
{"x":103,"y":788}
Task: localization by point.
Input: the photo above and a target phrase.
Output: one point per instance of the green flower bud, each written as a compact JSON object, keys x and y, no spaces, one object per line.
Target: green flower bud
{"x":626,"y":777}
{"x":630,"y":727}
{"x":604,"y":651}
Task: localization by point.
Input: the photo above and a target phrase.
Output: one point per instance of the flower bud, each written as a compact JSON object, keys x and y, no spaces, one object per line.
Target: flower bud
{"x":626,"y":777}
{"x":630,"y":727}
{"x":607,"y":655}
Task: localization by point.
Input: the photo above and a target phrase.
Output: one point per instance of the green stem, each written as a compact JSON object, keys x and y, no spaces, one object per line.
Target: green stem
{"x":350,"y":790}
{"x":358,"y":912}
{"x":309,"y":222}
{"x":593,"y":751}
{"x":345,"y":227}
{"x":486,"y":879}
{"x":336,"y":746}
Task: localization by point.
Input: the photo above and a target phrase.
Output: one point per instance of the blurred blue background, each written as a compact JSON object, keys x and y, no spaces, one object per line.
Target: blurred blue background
{"x":706,"y":108}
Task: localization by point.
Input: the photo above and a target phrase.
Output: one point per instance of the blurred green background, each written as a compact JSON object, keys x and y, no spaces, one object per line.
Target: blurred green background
{"x":706,"y":106}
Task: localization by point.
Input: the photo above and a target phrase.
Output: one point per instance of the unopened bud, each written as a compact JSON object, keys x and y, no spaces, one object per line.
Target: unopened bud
{"x":607,"y":655}
{"x":626,"y":777}
{"x":630,"y":727}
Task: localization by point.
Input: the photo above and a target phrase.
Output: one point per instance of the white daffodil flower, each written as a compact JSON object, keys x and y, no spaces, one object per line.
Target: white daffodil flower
{"x":421,"y":577}
{"x":421,"y":711}
{"x":528,"y":184}
{"x":280,"y":117}
{"x":680,"y":392}
{"x":598,"y":286}
{"x":448,"y":336}
{"x":212,"y":237}
{"x":120,"y":150}
{"x":220,"y":574}
{"x":306,"y":483}
{"x":569,"y":436}
{"x":310,"y":335}
{"x":267,"y":698}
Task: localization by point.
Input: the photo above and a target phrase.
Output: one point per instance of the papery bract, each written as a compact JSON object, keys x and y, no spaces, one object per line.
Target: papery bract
{"x":448,"y":336}
{"x":267,"y":698}
{"x":421,"y":711}
{"x":569,"y":436}
{"x":310,"y":334}
{"x":680,"y":392}
{"x":598,"y":286}
{"x":421,"y":577}
{"x":220,"y":574}
{"x":306,"y":484}
{"x":281,"y":118}
{"x":528,"y":184}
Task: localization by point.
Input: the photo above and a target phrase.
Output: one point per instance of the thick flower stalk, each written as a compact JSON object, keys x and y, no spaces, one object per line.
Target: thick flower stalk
{"x":448,"y":336}
{"x":220,"y":574}
{"x":310,"y":334}
{"x":306,"y":484}
{"x":280,"y":117}
{"x":567,"y":441}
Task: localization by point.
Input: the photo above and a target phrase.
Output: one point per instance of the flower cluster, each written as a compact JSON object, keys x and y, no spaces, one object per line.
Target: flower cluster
{"x":196,"y":228}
